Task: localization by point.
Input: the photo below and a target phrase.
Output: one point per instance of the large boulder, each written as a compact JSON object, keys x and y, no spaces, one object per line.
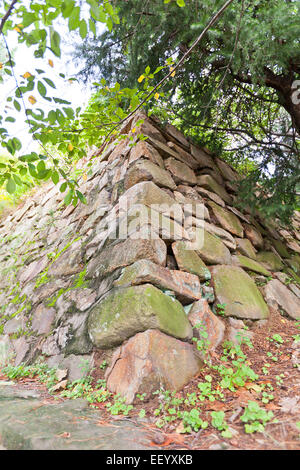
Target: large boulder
{"x":145,"y":170}
{"x":203,"y":319}
{"x":208,"y":182}
{"x":278,"y":295}
{"x":250,"y":265}
{"x":186,"y":286}
{"x":227,"y":220}
{"x":189,"y":261}
{"x":245,"y":248}
{"x":270,"y":260}
{"x":126,"y":253}
{"x":238,"y":293}
{"x":127,"y":311}
{"x":180,"y":171}
{"x":254,"y":236}
{"x":151,"y":360}
{"x":210,"y":248}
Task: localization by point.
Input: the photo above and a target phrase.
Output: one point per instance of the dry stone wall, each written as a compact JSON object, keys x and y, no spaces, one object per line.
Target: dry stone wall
{"x":158,"y":249}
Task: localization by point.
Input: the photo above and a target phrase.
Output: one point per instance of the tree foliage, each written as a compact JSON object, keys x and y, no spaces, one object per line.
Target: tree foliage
{"x":37,"y":25}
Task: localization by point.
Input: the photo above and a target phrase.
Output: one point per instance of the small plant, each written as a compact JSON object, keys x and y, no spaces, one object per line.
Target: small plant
{"x":255,"y":418}
{"x":289,"y":280}
{"x":206,"y":391}
{"x":202,"y":343}
{"x":272,"y":357}
{"x":118,"y":406}
{"x":103,"y":365}
{"x":192,"y":422}
{"x":218,"y":422}
{"x":265,"y":368}
{"x":141,"y":396}
{"x":277,"y":338}
{"x":279,"y":379}
{"x":221,"y":309}
{"x":267,"y":397}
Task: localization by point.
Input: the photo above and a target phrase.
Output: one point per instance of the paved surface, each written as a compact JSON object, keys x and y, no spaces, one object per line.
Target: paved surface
{"x":28,"y":422}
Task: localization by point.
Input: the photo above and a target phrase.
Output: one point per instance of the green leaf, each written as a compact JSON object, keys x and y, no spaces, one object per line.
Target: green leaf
{"x":81,"y":197}
{"x":41,"y":89}
{"x":83,"y":29}
{"x":63,"y":187}
{"x":92,"y":26}
{"x":49,"y":82}
{"x":10,"y":186}
{"x":41,"y":166}
{"x":68,"y":197}
{"x":74,"y":19}
{"x":55,"y":42}
{"x":69,"y":112}
{"x":52,"y":116}
{"x":17,"y":105}
{"x":55,"y":177}
{"x":67,"y":8}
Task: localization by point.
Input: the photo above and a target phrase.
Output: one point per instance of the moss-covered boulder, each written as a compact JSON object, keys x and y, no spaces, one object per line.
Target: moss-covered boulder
{"x":185,"y":286}
{"x":270,"y":260}
{"x":210,"y":248}
{"x":238,"y":293}
{"x":189,"y":261}
{"x":245,"y":247}
{"x":250,"y":265}
{"x":281,"y":248}
{"x":294,"y":263}
{"x":127,"y":311}
{"x":208,"y":182}
{"x":227,"y":220}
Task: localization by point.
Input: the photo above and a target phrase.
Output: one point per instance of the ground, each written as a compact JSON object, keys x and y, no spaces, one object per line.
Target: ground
{"x":276,"y":389}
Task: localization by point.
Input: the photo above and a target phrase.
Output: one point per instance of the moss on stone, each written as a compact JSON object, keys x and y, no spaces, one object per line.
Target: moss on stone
{"x":270,"y":260}
{"x":239,"y":294}
{"x":127,"y":311}
{"x":189,"y":261}
{"x":250,"y":265}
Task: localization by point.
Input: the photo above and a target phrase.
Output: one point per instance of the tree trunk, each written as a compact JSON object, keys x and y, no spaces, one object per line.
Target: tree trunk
{"x":291,"y":103}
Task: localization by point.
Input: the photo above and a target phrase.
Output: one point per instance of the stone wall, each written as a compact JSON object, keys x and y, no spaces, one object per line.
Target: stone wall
{"x":118,"y":274}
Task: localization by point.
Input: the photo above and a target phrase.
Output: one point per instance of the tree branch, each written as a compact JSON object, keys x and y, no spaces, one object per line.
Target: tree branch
{"x":7,"y":14}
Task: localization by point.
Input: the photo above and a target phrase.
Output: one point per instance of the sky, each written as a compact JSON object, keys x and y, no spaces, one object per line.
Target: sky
{"x":77,"y":93}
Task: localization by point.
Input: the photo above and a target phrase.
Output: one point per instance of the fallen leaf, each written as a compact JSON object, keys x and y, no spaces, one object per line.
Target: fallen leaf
{"x":31,"y":99}
{"x":65,"y":435}
{"x":271,"y":406}
{"x":61,"y":374}
{"x":59,"y":386}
